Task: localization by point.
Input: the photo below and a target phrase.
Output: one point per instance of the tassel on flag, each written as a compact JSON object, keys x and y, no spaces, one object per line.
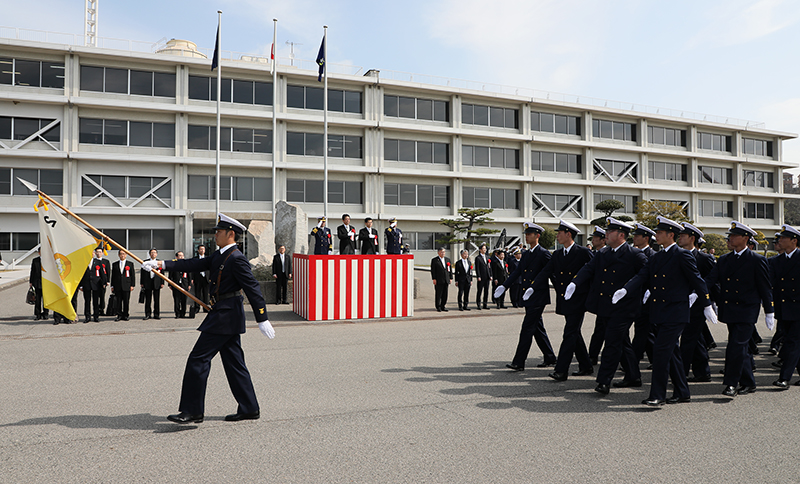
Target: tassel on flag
{"x":321,"y":60}
{"x":215,"y":60}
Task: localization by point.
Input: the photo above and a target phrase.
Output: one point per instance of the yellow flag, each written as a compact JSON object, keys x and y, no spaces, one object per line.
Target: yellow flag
{"x":66,"y":252}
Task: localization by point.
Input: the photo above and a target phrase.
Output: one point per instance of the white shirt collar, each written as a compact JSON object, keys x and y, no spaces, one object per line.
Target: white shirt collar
{"x":790,"y":254}
{"x":222,"y":250}
{"x":740,"y":252}
{"x":567,"y":248}
{"x":667,"y":248}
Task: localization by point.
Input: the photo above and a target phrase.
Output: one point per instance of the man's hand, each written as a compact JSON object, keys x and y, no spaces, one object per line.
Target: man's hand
{"x":274,"y":276}
{"x":569,"y":291}
{"x":434,"y":282}
{"x":266,"y":329}
{"x":618,"y":295}
{"x":149,"y":265}
{"x":290,"y":276}
{"x":710,"y":315}
{"x":499,"y":291}
{"x":770,"y":321}
{"x":528,"y":293}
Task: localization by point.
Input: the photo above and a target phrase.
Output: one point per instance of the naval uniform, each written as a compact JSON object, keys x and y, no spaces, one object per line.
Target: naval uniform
{"x":694,"y":351}
{"x":394,"y":240}
{"x":514,"y":293}
{"x":786,"y":290}
{"x":323,"y":244}
{"x":643,"y":334}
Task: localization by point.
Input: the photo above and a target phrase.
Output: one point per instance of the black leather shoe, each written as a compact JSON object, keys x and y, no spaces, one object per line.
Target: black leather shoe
{"x":627,"y":383}
{"x":782,"y":384}
{"x":546,"y":364}
{"x":797,"y":383}
{"x":117,"y":318}
{"x":558,"y":376}
{"x":584,"y":372}
{"x":673,"y":400}
{"x":485,"y":307}
{"x":157,"y":317}
{"x":466,"y":309}
{"x":460,"y":309}
{"x":656,"y":402}
{"x":729,"y":391}
{"x":85,"y":320}
{"x":444,"y":310}
{"x":711,"y":346}
{"x":479,"y":308}
{"x":242,"y":416}
{"x":743,"y":390}
{"x":602,"y":389}
{"x":699,"y":379}
{"x":183,"y":418}
{"x":145,"y":318}
{"x":773,"y":351}
{"x":512,"y":366}
{"x":96,"y":320}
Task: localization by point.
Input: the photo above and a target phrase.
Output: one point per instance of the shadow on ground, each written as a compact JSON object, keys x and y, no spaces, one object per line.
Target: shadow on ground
{"x":139,"y":421}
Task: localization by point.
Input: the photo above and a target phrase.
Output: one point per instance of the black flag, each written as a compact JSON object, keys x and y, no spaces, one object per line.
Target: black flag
{"x":215,"y":60}
{"x":321,"y":59}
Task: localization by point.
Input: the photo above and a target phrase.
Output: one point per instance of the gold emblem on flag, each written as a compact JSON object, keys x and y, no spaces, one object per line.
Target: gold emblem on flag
{"x":63,"y":265}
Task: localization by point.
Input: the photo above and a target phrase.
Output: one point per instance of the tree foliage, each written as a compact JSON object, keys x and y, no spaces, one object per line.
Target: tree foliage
{"x":608,"y":207}
{"x":791,"y":207}
{"x":469,"y":227}
{"x":716,"y":242}
{"x":548,"y":238}
{"x":648,"y":211}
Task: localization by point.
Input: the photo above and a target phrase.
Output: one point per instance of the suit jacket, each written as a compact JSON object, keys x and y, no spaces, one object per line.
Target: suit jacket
{"x":199,"y":279}
{"x":323,"y":243}
{"x":369,"y":245}
{"x":463,"y":276}
{"x":277,"y":268}
{"x":785,"y":276}
{"x":441,"y":274}
{"x":499,"y":269}
{"x":346,"y":246}
{"x":482,"y":268}
{"x":743,"y":285}
{"x":152,"y":283}
{"x":561,"y":270}
{"x":530,"y":265}
{"x":607,"y":272}
{"x":98,"y":274}
{"x":125,"y":280}
{"x":36,"y":273}
{"x":181,"y":278}
{"x":670,"y":276}
{"x":226,"y":315}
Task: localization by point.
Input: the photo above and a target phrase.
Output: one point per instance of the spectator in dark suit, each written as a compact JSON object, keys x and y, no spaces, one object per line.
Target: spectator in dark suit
{"x":499,"y":269}
{"x":368,"y":237}
{"x":93,"y":286}
{"x":181,"y":279}
{"x":463,"y":280}
{"x":35,"y":281}
{"x":200,"y":284}
{"x":441,"y":275}
{"x":484,"y":276}
{"x":123,"y":280}
{"x":346,"y":234}
{"x":281,"y":272}
{"x":151,"y":285}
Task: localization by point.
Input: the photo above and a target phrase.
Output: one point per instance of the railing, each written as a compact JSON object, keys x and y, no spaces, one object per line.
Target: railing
{"x":348,"y":69}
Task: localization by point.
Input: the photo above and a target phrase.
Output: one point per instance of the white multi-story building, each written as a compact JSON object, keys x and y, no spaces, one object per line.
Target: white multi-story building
{"x":126,"y":139}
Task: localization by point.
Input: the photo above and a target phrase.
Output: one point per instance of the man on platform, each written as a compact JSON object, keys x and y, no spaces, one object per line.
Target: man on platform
{"x":441,"y":276}
{"x":93,"y":286}
{"x":463,"y":280}
{"x":786,"y":289}
{"x":123,"y":281}
{"x":221,"y":330}
{"x":35,"y":281}
{"x":484,"y":276}
{"x":394,"y":238}
{"x":184,"y":282}
{"x":346,"y":234}
{"x":200,"y":284}
{"x":281,"y":272}
{"x":323,"y":243}
{"x":151,"y":285}
{"x":368,"y":237}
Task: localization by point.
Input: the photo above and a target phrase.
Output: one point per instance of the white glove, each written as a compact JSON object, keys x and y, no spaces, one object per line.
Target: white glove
{"x":570,"y":291}
{"x":149,"y":265}
{"x":646,"y":296}
{"x":528,"y":294}
{"x":692,"y":298}
{"x":499,"y":291}
{"x":618,"y":295}
{"x":330,"y":252}
{"x":710,"y":315}
{"x":266,"y":329}
{"x":770,"y":321}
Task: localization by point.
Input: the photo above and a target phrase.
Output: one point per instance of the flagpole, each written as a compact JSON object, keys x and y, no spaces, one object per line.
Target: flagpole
{"x":325,"y":118}
{"x":219,"y":95}
{"x":274,"y":115}
{"x":120,"y":247}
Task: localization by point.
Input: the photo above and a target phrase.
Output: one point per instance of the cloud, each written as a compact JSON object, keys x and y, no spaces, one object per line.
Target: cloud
{"x":782,"y":115}
{"x":735,"y":23}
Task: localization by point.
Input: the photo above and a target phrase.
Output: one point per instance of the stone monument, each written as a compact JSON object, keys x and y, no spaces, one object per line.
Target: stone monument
{"x":291,"y":228}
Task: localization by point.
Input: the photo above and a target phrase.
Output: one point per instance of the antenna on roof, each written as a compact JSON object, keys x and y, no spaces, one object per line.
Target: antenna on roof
{"x":291,"y":50}
{"x":90,"y":20}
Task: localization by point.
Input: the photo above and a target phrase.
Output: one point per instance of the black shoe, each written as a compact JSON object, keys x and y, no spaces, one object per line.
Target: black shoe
{"x":37,"y":318}
{"x":444,"y":310}
{"x":773,"y":351}
{"x":485,"y":307}
{"x":594,"y":361}
{"x":673,"y":400}
{"x":729,"y":391}
{"x":584,"y":372}
{"x":96,"y":320}
{"x":712,"y":346}
{"x":145,"y":318}
{"x":699,"y":379}
{"x":602,"y":389}
{"x":782,"y":384}
{"x":243,"y":416}
{"x":466,"y":309}
{"x":85,"y":320}
{"x":627,"y":383}
{"x":479,"y":307}
{"x":460,"y":309}
{"x":117,"y":318}
{"x":743,"y":390}
{"x":183,"y":418}
{"x":558,"y":376}
{"x":514,"y":367}
{"x":438,"y":310}
{"x":655,"y":402}
{"x":157,"y":317}
{"x":546,"y":364}
{"x":55,"y":322}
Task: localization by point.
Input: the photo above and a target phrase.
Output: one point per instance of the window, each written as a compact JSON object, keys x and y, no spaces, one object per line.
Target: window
{"x":126,"y":187}
{"x":20,"y":72}
{"x":128,"y":81}
{"x":712,"y":174}
{"x":666,"y":136}
{"x":307,"y":97}
{"x":243,"y":140}
{"x":615,"y":168}
{"x":414,"y":108}
{"x":416,"y":195}
{"x":667,"y":171}
{"x":127,"y":133}
{"x":312,"y":144}
{"x":558,"y":204}
{"x":48,"y":181}
{"x":143,"y":239}
{"x":555,"y":123}
{"x":203,"y":88}
{"x":498,"y":198}
{"x":489,"y":116}
{"x":416,"y":151}
{"x":311,"y":191}
{"x":18,"y":241}
{"x":630,"y":201}
{"x":757,"y":147}
{"x":602,"y":128}
{"x":22,"y":128}
{"x":762,"y":179}
{"x":490,"y":157}
{"x":237,"y":188}
{"x":425,"y":240}
{"x":759,"y":210}
{"x":716,"y":208}
{"x":556,"y":162}
{"x":715,"y":142}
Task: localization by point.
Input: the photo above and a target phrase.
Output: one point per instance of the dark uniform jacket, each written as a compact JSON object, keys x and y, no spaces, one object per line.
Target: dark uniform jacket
{"x":607,"y":272}
{"x":743,"y":286}
{"x":226,"y":315}
{"x":785,"y":275}
{"x":561,"y":270}
{"x":440,"y":274}
{"x":530,"y":265}
{"x":670,"y":276}
{"x":394,"y":240}
{"x":125,"y":280}
{"x":346,"y":246}
{"x":368,"y":245}
{"x":463,"y":276}
{"x":705,"y":263}
{"x":323,"y":243}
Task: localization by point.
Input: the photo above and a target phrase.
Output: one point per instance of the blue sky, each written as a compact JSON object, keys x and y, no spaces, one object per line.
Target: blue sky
{"x":735,"y":58}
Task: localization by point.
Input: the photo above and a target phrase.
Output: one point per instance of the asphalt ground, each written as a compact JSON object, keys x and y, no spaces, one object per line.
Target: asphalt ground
{"x":418,"y":400}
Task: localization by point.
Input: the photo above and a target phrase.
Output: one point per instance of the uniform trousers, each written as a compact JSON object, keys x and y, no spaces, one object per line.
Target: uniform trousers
{"x":738,"y":359}
{"x":533,"y":328}
{"x":777,"y":338}
{"x":693,"y":348}
{"x":195,"y":378}
{"x":643,"y":336}
{"x":483,"y":286}
{"x":617,"y":350}
{"x":598,"y":336}
{"x":668,"y":363}
{"x":572,"y":343}
{"x":463,"y":295}
{"x":790,"y":349}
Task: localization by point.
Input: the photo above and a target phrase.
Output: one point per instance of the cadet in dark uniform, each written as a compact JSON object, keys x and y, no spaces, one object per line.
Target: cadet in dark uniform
{"x":598,"y":242}
{"x":598,"y":238}
{"x":221,"y":330}
{"x":346,"y":234}
{"x":484,"y":276}
{"x":499,"y":269}
{"x":673,"y":284}
{"x":531,"y":264}
{"x":776,"y":341}
{"x":323,"y":243}
{"x":514,"y":292}
{"x":561,"y":269}
{"x":463,"y":280}
{"x":607,"y":272}
{"x":35,"y":281}
{"x":394,"y":238}
{"x":368,"y":237}
{"x":786,"y":289}
{"x":643,"y":336}
{"x":743,"y":278}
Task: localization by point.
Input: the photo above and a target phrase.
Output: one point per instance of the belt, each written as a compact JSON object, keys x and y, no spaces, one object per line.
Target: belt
{"x":226,"y":295}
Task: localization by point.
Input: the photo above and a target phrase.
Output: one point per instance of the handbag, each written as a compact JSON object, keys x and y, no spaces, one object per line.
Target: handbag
{"x":111,"y":307}
{"x":141,"y":296}
{"x":30,"y":297}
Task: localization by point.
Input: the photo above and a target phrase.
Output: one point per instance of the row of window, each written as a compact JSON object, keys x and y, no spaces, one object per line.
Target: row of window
{"x":556,"y":162}
{"x":125,"y":186}
{"x":416,"y":195}
{"x":714,"y":142}
{"x":415,"y":108}
{"x":313,"y":144}
{"x":757,"y":147}
{"x":497,"y":198}
{"x":559,"y":203}
{"x":666,"y":136}
{"x":660,"y":170}
{"x":239,"y":188}
{"x":18,"y":241}
{"x":416,"y":151}
{"x":602,"y":128}
{"x":127,"y":81}
{"x":425,"y":240}
{"x":754,"y":178}
{"x":483,"y":156}
{"x":243,"y":140}
{"x":311,"y":191}
{"x":49,"y":181}
{"x":307,"y":97}
{"x":126,"y":133}
{"x":144,"y":239}
{"x":33,"y":73}
{"x":232,"y":90}
{"x":555,"y":123}
{"x":13,"y":128}
{"x":480,"y":115}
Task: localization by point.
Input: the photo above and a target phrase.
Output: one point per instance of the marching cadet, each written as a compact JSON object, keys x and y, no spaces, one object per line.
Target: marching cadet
{"x":693,"y":345}
{"x":514,"y":292}
{"x":394,"y":238}
{"x":786,"y":289}
{"x":607,"y":272}
{"x":221,"y":330}
{"x":561,"y":269}
{"x":346,"y":234}
{"x":673,"y":283}
{"x":368,"y":237}
{"x":743,"y":278}
{"x":598,"y":239}
{"x":532,"y":262}
{"x":777,"y":337}
{"x":643,"y":336}
{"x":598,"y":243}
{"x":499,"y":269}
{"x":323,"y":244}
